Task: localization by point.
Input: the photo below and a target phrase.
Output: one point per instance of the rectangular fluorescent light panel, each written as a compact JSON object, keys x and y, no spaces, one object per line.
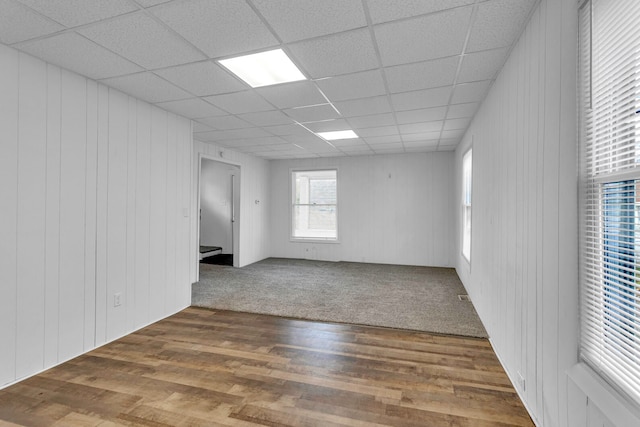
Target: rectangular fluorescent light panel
{"x":339,"y":134}
{"x":264,"y":68}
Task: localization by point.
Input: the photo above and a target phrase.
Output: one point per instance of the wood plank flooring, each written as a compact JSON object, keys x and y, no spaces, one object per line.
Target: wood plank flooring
{"x":217,"y":368}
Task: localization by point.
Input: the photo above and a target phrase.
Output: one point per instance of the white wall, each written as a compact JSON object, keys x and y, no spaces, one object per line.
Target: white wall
{"x":254,"y":217}
{"x":393,"y":209}
{"x":93,"y":190}
{"x":523,"y":275}
{"x":215,"y":204}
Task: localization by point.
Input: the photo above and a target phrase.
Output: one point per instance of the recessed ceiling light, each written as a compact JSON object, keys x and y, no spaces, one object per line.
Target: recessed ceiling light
{"x":264,"y":68}
{"x":338,"y":134}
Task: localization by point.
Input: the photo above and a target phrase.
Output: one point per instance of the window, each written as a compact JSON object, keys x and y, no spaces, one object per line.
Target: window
{"x":466,"y":204}
{"x":314,"y":205}
{"x":610,"y":185}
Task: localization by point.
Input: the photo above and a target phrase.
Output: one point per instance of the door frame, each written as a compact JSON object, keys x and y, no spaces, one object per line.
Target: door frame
{"x":236,"y":239}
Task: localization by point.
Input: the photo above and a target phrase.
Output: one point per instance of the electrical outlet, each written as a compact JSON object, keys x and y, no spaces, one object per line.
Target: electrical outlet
{"x":117,"y":299}
{"x":521,"y":380}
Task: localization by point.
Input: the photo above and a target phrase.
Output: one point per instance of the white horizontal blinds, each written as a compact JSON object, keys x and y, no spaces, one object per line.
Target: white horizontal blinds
{"x":615,"y":49}
{"x":610,"y":148}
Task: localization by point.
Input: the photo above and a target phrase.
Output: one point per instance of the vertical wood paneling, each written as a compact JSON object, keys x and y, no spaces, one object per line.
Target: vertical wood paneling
{"x":132,"y":164}
{"x":32,"y":134}
{"x":72,"y":215}
{"x":9,"y":79}
{"x":143,"y":163}
{"x":102,"y":202}
{"x":402,"y":205}
{"x":158,"y":214}
{"x":52,"y":207}
{"x":90,"y":217}
{"x":524,"y":243}
{"x":171,"y":213}
{"x":75,"y":217}
{"x":116,"y":190}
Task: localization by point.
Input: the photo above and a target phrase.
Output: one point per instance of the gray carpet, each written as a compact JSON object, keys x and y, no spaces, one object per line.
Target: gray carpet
{"x":395,"y":296}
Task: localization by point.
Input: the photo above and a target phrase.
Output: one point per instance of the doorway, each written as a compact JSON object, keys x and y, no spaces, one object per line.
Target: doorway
{"x":219,"y":212}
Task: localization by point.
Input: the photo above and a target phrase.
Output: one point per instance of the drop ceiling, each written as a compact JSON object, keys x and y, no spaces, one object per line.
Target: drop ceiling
{"x":405,"y":75}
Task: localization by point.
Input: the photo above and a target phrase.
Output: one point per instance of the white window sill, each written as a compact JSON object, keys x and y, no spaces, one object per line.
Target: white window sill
{"x":303,"y":240}
{"x":612,"y":404}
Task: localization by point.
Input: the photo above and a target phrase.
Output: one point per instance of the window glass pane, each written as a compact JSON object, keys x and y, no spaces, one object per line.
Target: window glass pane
{"x":315,"y":221}
{"x":322,"y":191}
{"x":314,"y":204}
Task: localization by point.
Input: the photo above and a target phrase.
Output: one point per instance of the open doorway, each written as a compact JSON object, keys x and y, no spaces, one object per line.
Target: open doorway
{"x":219,"y":213}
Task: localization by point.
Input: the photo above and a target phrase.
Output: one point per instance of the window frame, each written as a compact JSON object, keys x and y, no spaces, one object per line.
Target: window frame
{"x":609,"y":202}
{"x":467,"y":204}
{"x":292,"y":205}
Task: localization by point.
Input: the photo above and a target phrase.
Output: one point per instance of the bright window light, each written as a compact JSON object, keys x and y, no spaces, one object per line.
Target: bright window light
{"x":339,"y":134}
{"x":264,"y":68}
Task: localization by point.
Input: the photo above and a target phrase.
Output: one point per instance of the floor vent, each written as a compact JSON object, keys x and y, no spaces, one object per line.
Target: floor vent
{"x":464,"y":298}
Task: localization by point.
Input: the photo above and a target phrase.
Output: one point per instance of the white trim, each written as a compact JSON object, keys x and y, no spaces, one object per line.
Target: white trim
{"x":293,"y":239}
{"x":613,"y":405}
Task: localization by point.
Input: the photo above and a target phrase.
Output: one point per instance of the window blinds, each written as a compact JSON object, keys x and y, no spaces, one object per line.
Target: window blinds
{"x":609,"y":90}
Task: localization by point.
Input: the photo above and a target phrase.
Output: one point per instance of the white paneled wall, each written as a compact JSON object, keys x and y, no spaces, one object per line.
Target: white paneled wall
{"x":523,"y":272}
{"x":393,"y":209}
{"x":254,"y":217}
{"x":94,"y":201}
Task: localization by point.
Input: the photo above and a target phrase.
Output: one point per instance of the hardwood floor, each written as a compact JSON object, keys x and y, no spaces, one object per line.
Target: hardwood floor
{"x":206,"y":368}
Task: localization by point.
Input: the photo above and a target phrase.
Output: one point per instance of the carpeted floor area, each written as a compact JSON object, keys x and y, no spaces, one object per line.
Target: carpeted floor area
{"x":395,"y":296}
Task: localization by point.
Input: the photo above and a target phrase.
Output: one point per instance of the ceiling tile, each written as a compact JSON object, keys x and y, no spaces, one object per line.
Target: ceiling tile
{"x":393,"y":145}
{"x":385,"y":119}
{"x":72,"y":13}
{"x":142,"y":40}
{"x":193,"y":108}
{"x":424,"y":136}
{"x":266,"y":118}
{"x":445,"y":32}
{"x":336,"y":54}
{"x":305,"y":140}
{"x":422,"y":75}
{"x":314,"y":113}
{"x":296,"y":20}
{"x":421,"y":127}
{"x":245,"y":133}
{"x":76,"y":53}
{"x":224,"y":122}
{"x":377,"y":131}
{"x":240,"y":102}
{"x":148,"y":87}
{"x":202,"y":78}
{"x":390,"y":10}
{"x":399,"y":150}
{"x":328,"y":125}
{"x":149,"y":3}
{"x":498,"y":23}
{"x":199,"y":127}
{"x":458,"y":111}
{"x":421,"y":115}
{"x":296,"y":94}
{"x":455,"y":124}
{"x":470,"y":92}
{"x":421,"y":99}
{"x":282,"y":130}
{"x":343,"y":144}
{"x":482,"y":65}
{"x":387,"y":139}
{"x":18,"y":23}
{"x":416,"y":144}
{"x":364,"y":106}
{"x":218,"y":28}
{"x":353,"y":86}
{"x":449,"y":142}
{"x":452,"y":134}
